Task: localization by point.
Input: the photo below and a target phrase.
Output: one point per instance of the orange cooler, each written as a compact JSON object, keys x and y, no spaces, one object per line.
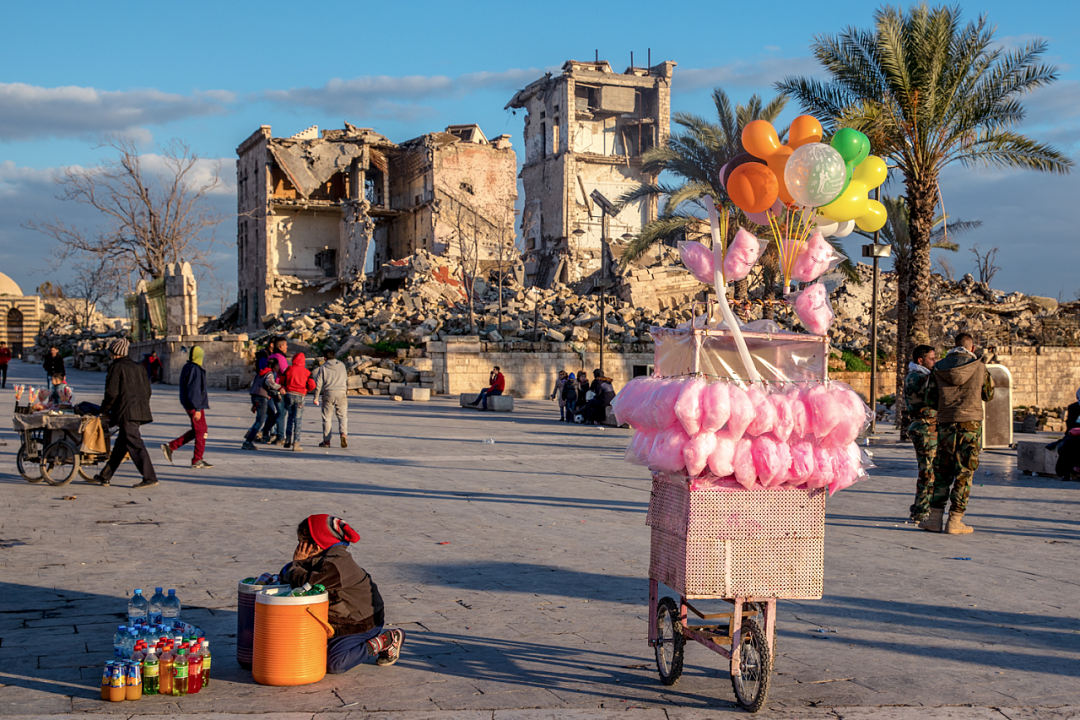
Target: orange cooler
{"x":290,"y":638}
{"x":245,"y":618}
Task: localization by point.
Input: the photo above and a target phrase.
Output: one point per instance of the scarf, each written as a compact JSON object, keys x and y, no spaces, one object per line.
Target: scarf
{"x":916,"y":367}
{"x":196,"y":355}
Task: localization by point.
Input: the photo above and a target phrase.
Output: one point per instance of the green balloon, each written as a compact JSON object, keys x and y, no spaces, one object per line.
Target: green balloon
{"x":852,"y":145}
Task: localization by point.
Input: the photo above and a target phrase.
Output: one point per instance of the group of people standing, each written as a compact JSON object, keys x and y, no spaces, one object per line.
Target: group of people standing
{"x":945,"y":398}
{"x":279,"y":391}
{"x":578,"y":398}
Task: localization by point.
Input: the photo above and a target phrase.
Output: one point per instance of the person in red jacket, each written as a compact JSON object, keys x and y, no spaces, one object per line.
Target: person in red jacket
{"x":297,"y":383}
{"x":5,"y":358}
{"x":496,"y":387}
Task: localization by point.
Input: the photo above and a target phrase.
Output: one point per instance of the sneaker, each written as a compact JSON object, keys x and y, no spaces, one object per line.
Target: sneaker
{"x":201,"y":465}
{"x":168,"y":452}
{"x":258,"y":437}
{"x":390,"y":655}
{"x":324,"y":443}
{"x":288,"y":445}
{"x":248,"y":445}
{"x":97,"y":480}
{"x":146,"y":484}
{"x":344,"y":442}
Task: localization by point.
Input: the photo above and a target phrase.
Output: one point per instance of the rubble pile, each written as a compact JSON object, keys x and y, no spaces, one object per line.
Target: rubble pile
{"x":81,"y":349}
{"x":431,"y":303}
{"x":1036,"y":419}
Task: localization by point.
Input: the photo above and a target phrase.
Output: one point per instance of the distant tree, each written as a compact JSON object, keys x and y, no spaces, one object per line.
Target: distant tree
{"x":150,"y":218}
{"x":984,"y":263}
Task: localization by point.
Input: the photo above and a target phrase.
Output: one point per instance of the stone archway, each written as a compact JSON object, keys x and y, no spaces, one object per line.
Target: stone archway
{"x":15,"y":331}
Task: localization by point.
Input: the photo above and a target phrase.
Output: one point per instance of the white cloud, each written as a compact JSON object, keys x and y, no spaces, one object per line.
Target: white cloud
{"x":29,"y":111}
{"x":397,"y":98}
{"x":761,"y":73}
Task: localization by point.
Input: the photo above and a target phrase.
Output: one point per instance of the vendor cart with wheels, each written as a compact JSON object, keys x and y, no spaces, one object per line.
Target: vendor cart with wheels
{"x":744,"y":547}
{"x":58,"y":446}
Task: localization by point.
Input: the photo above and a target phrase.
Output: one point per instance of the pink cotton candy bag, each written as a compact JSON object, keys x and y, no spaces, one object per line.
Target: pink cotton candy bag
{"x":697,"y":451}
{"x":715,"y":406}
{"x":722,"y":458}
{"x":741,"y":255}
{"x":688,"y":406}
{"x":741,"y":412}
{"x":667,"y":451}
{"x":764,"y":411}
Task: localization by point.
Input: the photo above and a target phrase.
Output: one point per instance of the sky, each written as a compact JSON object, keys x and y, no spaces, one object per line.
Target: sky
{"x":210,"y":73}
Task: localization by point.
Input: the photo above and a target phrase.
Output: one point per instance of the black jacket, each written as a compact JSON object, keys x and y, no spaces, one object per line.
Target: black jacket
{"x":569,"y":392}
{"x":1072,"y":416}
{"x":127,"y":393}
{"x":193,"y":387}
{"x":355,"y":603}
{"x":54,"y":366}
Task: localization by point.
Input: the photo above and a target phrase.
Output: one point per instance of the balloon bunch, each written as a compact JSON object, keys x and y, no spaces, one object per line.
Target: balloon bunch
{"x":829,"y":184}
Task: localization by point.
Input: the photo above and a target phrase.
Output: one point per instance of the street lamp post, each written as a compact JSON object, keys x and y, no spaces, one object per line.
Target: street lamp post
{"x":875,"y":251}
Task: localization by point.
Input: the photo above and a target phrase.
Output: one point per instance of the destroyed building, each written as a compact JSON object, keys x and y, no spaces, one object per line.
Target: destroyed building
{"x":585,"y":131}
{"x":317,"y":211}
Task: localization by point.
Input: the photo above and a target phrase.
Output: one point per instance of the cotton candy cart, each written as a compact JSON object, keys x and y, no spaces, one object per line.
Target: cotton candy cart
{"x":747,"y":548}
{"x":57,"y":446}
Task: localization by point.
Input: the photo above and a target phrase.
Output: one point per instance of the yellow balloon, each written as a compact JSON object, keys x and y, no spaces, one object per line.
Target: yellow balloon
{"x":874,"y":218}
{"x":850,"y":205}
{"x":872,"y":171}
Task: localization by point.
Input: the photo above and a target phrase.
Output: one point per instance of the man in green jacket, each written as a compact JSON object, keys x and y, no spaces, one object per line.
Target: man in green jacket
{"x":923,"y":428}
{"x":957,"y":389}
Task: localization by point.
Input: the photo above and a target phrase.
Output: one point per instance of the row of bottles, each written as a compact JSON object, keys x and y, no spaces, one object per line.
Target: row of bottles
{"x":170,"y":667}
{"x":158,"y":610}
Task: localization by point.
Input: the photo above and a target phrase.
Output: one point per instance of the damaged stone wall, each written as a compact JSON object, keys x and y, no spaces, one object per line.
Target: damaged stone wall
{"x":585,"y":131}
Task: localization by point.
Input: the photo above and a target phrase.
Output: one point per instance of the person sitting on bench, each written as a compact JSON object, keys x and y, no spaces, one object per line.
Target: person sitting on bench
{"x":496,"y":387}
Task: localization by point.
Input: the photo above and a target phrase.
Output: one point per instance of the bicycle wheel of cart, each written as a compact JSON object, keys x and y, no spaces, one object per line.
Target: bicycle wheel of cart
{"x":750,"y":680}
{"x":670,"y":642}
{"x":84,"y":473}
{"x":29,"y":469}
{"x":60,"y":463}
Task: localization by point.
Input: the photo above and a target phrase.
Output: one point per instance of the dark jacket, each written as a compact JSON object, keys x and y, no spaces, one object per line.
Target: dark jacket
{"x":54,"y":366}
{"x":603,"y":391}
{"x":193,"y":394}
{"x":355,"y":603}
{"x":569,"y":393}
{"x":127,"y":393}
{"x":264,"y":385}
{"x":1072,"y":416}
{"x":958,"y":387}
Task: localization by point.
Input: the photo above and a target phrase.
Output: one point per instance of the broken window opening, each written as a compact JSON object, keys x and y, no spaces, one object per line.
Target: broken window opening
{"x":543,"y":140}
{"x":327,"y":261}
{"x":373,"y":188}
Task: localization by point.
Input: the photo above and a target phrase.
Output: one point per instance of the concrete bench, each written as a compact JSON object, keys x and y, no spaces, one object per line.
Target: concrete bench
{"x":498,"y":403}
{"x":1033,"y":458}
{"x":416,"y":394}
{"x":609,"y":418}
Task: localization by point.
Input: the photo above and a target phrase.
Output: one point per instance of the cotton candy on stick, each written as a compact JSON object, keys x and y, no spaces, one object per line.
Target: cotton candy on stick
{"x":698,"y":259}
{"x":816,"y":258}
{"x":688,"y":407}
{"x":722,"y":458}
{"x":697,"y":451}
{"x":667,"y":451}
{"x":812,"y":307}
{"x":741,"y":255}
{"x":715,"y":406}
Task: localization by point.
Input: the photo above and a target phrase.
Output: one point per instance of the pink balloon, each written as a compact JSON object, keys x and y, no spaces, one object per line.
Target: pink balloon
{"x":762,"y":218}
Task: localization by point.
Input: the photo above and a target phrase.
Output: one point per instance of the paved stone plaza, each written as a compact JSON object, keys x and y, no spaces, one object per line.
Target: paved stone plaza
{"x":519,"y":572}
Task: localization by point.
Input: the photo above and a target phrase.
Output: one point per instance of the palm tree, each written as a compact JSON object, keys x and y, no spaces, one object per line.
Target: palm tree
{"x":695,"y":157}
{"x":895,"y":233}
{"x":928,"y":93}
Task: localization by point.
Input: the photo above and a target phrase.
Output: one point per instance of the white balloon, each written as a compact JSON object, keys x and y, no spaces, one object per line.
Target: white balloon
{"x":826,"y":226}
{"x":815,"y":174}
{"x":845,"y":229}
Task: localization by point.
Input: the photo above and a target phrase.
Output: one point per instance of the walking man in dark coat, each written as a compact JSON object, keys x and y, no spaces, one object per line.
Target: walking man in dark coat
{"x":958,"y":387}
{"x":127,"y":406}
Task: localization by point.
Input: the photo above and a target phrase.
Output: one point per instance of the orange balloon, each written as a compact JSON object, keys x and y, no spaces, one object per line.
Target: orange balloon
{"x":752,"y":187}
{"x":777,"y":163}
{"x":759,"y":138}
{"x":804,"y":129}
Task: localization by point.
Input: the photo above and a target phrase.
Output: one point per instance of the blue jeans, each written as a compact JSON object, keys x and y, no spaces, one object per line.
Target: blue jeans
{"x":484,"y":395}
{"x":295,"y":404}
{"x":261,"y":404}
{"x":345,"y":653}
{"x":276,"y":424}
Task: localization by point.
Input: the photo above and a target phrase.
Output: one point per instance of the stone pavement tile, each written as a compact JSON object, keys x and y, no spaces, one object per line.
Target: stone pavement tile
{"x":1070,"y":712}
{"x":917,"y":713}
{"x":580,"y":714}
{"x":394,"y":699}
{"x":528,"y":698}
{"x":414,"y":715}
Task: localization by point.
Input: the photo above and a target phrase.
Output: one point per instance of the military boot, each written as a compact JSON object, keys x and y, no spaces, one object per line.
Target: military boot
{"x":956,"y":524}
{"x":933,"y":521}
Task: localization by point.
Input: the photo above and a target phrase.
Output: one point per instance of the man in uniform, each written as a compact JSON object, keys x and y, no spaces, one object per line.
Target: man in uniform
{"x":923,"y":428}
{"x":958,"y":387}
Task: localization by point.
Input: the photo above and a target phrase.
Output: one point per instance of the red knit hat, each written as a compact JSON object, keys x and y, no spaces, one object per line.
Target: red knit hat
{"x":327,"y":530}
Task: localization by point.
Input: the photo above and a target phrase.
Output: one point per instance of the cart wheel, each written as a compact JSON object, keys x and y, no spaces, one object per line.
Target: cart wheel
{"x":669,"y":641}
{"x":60,"y":463}
{"x":750,"y":680}
{"x":29,"y":469}
{"x":84,"y":474}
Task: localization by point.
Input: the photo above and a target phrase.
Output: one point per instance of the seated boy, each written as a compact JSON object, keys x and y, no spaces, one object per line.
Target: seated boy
{"x":356,"y":607}
{"x":61,"y":394}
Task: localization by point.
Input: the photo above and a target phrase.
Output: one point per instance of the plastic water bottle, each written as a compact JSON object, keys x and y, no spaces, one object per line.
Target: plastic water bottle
{"x":138,"y":608}
{"x":155,"y":606}
{"x":129,"y":643}
{"x":170,"y":609}
{"x":118,"y":641}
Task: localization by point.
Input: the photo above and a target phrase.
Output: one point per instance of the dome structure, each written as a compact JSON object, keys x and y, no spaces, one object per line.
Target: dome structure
{"x":9,"y":287}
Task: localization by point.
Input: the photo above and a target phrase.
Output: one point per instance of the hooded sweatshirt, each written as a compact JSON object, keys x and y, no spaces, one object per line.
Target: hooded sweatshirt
{"x":958,"y":387}
{"x":331,"y":378}
{"x":193,"y":395}
{"x":297,"y":378}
